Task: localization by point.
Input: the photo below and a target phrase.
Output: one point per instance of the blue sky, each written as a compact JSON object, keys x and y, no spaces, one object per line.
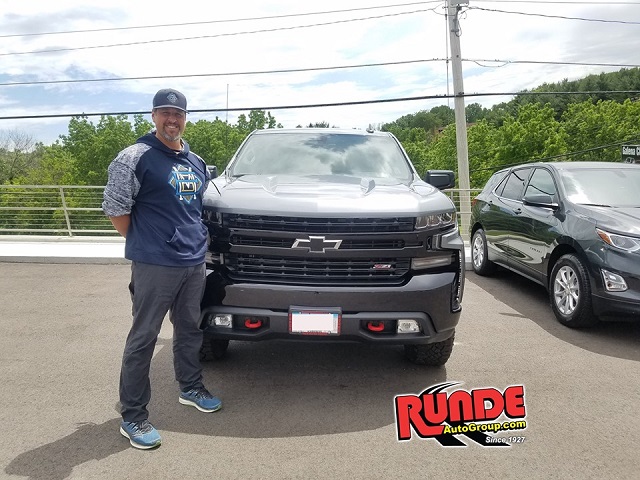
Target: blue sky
{"x":496,"y":34}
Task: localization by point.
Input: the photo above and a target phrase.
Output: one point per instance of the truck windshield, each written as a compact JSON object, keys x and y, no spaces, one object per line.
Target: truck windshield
{"x":311,"y":154}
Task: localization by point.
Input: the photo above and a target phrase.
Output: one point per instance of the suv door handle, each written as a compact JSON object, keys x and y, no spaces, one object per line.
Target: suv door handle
{"x":517,"y":211}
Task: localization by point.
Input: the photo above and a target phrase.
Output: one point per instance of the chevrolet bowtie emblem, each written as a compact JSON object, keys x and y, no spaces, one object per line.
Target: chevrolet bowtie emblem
{"x":317,"y":244}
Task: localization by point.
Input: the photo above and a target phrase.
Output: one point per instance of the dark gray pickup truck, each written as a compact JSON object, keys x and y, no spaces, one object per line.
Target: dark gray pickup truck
{"x":331,"y":235}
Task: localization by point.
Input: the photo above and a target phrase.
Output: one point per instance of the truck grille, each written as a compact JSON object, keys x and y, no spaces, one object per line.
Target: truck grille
{"x":318,"y":225}
{"x":304,"y":271}
{"x":359,"y":244}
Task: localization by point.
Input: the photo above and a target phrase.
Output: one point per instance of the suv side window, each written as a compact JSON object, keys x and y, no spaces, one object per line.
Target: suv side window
{"x":514,"y":185}
{"x":495,"y":179}
{"x":541,"y":183}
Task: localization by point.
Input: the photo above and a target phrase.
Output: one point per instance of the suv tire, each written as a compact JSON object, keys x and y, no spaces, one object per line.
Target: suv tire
{"x":431,"y":354}
{"x":479,"y":254}
{"x":570,"y":293}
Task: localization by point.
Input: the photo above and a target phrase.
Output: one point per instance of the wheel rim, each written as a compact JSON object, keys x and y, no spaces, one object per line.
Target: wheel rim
{"x":478,"y":251}
{"x":566,"y":290}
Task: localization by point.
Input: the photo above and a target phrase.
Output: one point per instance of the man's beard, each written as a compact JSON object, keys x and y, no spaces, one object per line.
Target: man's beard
{"x":169,"y":138}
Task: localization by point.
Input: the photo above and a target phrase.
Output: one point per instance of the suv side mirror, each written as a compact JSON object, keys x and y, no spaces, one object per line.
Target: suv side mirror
{"x":440,"y":179}
{"x":540,"y":200}
{"x":213,"y":171}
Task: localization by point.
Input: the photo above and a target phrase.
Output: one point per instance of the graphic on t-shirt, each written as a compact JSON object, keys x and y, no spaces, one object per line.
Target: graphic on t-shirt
{"x":186,"y":183}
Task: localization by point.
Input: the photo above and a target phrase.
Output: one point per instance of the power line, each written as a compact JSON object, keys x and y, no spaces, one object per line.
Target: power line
{"x":209,"y":22}
{"x":551,"y":2}
{"x":219,"y":35}
{"x":320,"y":105}
{"x":258,"y":72}
{"x":317,"y":69}
{"x":541,"y":62}
{"x":304,"y":14}
{"x":562,"y":17}
{"x":523,"y":161}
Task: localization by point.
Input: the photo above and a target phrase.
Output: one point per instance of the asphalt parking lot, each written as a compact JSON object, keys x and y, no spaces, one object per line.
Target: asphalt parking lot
{"x":299,"y":410}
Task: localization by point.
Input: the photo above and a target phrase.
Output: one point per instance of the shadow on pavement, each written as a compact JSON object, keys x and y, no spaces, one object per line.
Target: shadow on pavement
{"x":269,"y":389}
{"x":284,"y":389}
{"x":56,"y":460}
{"x":615,"y":339}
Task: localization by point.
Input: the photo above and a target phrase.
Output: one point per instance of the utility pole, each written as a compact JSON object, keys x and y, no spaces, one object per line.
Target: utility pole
{"x":453,"y":9}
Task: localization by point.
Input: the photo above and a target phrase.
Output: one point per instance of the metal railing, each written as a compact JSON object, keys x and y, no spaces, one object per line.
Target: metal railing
{"x":71,"y":210}
{"x":75,"y":210}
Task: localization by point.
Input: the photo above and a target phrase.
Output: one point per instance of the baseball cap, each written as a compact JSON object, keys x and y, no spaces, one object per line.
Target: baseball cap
{"x":169,"y":97}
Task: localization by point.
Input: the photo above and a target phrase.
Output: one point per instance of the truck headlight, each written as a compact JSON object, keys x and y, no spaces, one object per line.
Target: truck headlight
{"x":437,"y":220}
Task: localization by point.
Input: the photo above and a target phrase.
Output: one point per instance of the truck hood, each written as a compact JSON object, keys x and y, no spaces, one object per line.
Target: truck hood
{"x":326,"y":195}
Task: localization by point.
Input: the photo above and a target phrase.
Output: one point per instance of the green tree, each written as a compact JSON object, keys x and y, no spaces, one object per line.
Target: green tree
{"x":533,"y":134}
{"x":258,"y":120}
{"x":607,"y":123}
{"x":55,"y":167}
{"x":93,"y":147}
{"x":214,"y":141}
{"x":18,"y":153}
{"x":475,"y":112}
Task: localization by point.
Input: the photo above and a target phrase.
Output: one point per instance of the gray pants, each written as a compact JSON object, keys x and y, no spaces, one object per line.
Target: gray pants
{"x":155,"y":290}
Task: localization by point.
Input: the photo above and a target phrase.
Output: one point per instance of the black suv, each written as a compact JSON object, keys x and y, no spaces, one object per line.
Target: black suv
{"x":573,"y":227}
{"x":331,"y":235}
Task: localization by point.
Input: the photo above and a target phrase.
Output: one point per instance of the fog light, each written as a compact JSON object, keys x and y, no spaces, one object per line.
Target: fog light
{"x":223,"y":320}
{"x":613,"y":282}
{"x":408,"y":326}
{"x":420,"y":263}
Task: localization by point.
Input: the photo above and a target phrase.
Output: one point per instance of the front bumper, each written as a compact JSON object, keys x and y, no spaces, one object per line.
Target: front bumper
{"x":426,"y":299}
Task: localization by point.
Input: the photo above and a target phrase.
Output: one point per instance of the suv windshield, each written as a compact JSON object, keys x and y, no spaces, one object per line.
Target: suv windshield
{"x":322,"y":153}
{"x":615,"y":187}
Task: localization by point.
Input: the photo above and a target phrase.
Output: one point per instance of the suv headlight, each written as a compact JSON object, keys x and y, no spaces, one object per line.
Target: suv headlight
{"x":437,"y":220}
{"x":628,"y":244}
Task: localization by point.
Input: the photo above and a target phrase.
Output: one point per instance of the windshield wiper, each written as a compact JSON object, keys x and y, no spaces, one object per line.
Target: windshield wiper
{"x":595,"y":205}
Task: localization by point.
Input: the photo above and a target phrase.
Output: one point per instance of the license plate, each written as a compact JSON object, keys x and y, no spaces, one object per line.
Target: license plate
{"x":314,"y":322}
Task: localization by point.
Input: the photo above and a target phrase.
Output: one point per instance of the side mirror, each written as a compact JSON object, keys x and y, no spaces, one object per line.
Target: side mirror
{"x":213,"y":171}
{"x":539,"y":200}
{"x":440,"y":179}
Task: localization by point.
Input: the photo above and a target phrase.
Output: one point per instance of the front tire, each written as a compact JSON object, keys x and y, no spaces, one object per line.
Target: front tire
{"x":213,"y":349}
{"x":432,"y":354}
{"x":570,"y":293}
{"x":480,"y":255}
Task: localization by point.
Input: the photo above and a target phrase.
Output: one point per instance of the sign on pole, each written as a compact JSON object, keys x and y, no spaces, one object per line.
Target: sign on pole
{"x":631,"y":153}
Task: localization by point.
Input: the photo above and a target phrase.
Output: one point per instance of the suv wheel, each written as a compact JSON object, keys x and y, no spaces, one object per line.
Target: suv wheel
{"x":213,"y":348}
{"x":432,"y":354}
{"x":570,"y":293}
{"x":479,"y":255}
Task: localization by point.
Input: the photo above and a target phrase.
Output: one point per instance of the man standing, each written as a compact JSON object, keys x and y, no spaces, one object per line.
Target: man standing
{"x":153,"y":198}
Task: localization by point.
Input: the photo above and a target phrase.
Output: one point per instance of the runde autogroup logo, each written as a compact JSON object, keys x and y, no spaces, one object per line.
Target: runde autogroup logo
{"x":472,"y":414}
